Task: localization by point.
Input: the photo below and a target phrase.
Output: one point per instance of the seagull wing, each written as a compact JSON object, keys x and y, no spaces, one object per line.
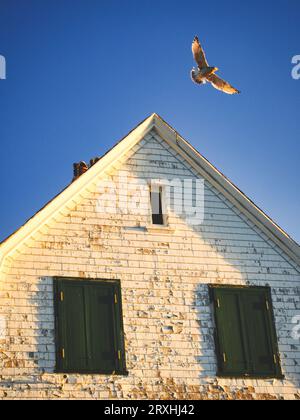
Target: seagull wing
{"x":221,"y":84}
{"x":199,"y":54}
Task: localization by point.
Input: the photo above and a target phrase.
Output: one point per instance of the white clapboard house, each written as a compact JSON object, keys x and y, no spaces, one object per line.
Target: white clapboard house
{"x":151,"y":276}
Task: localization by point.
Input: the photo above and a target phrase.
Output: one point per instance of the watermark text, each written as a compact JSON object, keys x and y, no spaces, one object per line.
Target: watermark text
{"x":296,"y":329}
{"x":296,"y":68}
{"x":2,"y":68}
{"x":182,"y":197}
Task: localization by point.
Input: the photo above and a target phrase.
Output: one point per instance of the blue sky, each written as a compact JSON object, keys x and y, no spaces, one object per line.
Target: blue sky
{"x":82,"y":73}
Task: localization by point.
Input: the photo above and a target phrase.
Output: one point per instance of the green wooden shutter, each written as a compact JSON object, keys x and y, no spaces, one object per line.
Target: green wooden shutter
{"x":72,"y":351}
{"x":102,"y":333}
{"x":263,"y":358}
{"x":245,"y":332}
{"x":89,"y":327}
{"x":231,"y":343}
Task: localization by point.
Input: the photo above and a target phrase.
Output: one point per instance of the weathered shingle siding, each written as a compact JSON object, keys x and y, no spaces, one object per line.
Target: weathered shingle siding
{"x":164,"y":277}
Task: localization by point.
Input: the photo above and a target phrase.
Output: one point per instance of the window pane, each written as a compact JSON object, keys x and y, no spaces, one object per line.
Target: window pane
{"x":156,"y":206}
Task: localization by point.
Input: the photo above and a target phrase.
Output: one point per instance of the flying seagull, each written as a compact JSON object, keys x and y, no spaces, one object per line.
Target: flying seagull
{"x":204,"y":73}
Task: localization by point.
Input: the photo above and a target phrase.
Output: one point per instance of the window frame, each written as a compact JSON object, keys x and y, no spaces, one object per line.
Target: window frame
{"x":272,"y":334}
{"x":161,"y":187}
{"x":118,"y":326}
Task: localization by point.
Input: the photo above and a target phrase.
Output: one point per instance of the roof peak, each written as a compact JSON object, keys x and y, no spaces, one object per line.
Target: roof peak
{"x":193,"y":158}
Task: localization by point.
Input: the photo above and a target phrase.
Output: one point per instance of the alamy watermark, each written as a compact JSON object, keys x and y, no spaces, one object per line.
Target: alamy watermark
{"x":2,"y":67}
{"x":182,"y":197}
{"x":296,"y":68}
{"x":296,"y":328}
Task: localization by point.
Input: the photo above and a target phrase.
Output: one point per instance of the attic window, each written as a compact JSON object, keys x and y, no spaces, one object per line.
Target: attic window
{"x":156,"y":199}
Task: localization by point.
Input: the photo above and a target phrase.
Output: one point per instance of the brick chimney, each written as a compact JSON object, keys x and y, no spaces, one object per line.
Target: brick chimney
{"x":94,"y":161}
{"x":79,"y":169}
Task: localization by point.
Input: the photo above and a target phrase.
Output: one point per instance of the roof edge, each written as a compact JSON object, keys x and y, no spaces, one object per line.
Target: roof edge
{"x":230,"y":190}
{"x":190,"y":154}
{"x":67,"y":195}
